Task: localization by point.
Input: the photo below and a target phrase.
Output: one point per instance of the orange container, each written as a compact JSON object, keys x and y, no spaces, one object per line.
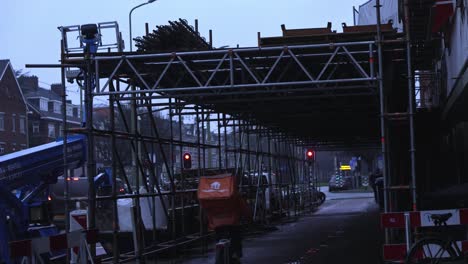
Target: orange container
{"x":218,"y":196}
{"x":218,"y":187}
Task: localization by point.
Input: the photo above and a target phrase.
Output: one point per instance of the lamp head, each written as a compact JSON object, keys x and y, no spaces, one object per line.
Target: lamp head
{"x":89,"y":31}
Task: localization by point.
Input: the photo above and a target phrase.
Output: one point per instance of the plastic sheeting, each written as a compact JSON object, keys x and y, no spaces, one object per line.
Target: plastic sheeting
{"x":388,"y":11}
{"x":456,"y":50}
{"x":146,"y":205}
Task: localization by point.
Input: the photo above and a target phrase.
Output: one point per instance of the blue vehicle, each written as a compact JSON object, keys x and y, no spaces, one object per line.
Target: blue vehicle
{"x":25,"y":177}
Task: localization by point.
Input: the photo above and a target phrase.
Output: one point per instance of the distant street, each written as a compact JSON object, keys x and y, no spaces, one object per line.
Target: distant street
{"x":347,"y":194}
{"x":343,"y":230}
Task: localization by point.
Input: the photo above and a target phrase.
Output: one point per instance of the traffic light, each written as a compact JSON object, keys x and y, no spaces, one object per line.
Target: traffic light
{"x":187,"y":160}
{"x":310,"y":155}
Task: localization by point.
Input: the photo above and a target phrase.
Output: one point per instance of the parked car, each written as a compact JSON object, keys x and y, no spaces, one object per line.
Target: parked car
{"x":343,"y":183}
{"x":77,"y":189}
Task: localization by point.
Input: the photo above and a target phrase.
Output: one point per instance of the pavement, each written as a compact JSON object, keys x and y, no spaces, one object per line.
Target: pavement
{"x":345,"y":229}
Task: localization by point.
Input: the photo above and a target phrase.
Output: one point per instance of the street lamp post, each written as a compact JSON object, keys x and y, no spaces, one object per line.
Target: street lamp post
{"x":130,"y":20}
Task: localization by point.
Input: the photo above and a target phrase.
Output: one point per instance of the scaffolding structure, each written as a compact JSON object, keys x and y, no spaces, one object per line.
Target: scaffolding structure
{"x":220,"y":89}
{"x":250,"y":111}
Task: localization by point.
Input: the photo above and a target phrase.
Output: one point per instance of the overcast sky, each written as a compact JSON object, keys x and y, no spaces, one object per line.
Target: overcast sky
{"x":28,"y":28}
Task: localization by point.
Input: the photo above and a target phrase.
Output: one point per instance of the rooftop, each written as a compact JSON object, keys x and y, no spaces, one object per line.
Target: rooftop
{"x":3,"y":66}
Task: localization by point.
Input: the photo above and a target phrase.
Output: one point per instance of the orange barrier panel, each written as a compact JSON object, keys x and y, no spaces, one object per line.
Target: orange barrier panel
{"x":219,"y":197}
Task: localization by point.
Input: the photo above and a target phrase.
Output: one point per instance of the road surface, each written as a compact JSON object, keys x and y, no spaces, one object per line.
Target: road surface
{"x":345,"y":229}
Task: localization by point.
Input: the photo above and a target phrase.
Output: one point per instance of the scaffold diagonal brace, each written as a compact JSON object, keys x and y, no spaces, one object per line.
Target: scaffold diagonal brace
{"x":300,"y":65}
{"x":246,"y":67}
{"x":355,"y":63}
{"x":137,"y":74}
{"x":112,"y":75}
{"x":189,"y":71}
{"x":216,"y":70}
{"x":328,"y":63}
{"x":163,"y":73}
{"x":273,"y":67}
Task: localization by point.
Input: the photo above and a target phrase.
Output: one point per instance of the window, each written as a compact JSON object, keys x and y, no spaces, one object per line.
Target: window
{"x":43,"y":105}
{"x":57,"y":107}
{"x":22,"y":125}
{"x":51,"y":131}
{"x":13,"y":147}
{"x":35,"y":128}
{"x":76,"y":112}
{"x":13,"y":122}
{"x":2,"y":121}
{"x":69,"y":110}
{"x":2,"y":148}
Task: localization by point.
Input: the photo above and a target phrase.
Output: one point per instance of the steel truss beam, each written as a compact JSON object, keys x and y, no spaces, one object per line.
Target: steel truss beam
{"x":153,"y":78}
{"x":219,"y":79}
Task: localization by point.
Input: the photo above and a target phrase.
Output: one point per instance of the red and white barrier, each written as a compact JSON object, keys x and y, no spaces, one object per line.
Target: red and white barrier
{"x":423,"y":218}
{"x":36,"y":246}
{"x":78,"y":222}
{"x":397,"y":252}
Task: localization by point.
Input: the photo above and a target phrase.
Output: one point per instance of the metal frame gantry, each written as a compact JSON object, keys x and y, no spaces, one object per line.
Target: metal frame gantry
{"x":222,"y":86}
{"x":249,"y":144}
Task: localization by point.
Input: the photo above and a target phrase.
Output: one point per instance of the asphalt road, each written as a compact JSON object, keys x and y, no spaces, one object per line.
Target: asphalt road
{"x":345,"y":229}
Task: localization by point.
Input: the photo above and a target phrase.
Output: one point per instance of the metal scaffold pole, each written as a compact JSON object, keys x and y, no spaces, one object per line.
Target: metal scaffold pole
{"x":66,"y":193}
{"x":220,"y":158}
{"x":270,"y":182}
{"x":226,"y":155}
{"x":382,"y":108}
{"x":115,"y":213}
{"x":91,"y":163}
{"x":200,"y":173}
{"x":383,"y":127}
{"x":237,"y":154}
{"x":410,"y":106}
{"x":203,"y":131}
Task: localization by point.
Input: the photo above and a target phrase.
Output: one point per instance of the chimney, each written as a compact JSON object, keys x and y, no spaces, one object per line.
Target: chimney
{"x":29,"y":82}
{"x":57,"y":88}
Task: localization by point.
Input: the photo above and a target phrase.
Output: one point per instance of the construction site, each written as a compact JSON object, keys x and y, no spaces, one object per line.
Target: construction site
{"x":178,"y":110}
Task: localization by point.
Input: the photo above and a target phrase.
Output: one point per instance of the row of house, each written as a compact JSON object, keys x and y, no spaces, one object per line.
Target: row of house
{"x":30,"y":115}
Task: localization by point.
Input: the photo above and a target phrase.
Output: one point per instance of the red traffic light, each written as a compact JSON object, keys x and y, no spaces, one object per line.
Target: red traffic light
{"x":310,"y":154}
{"x":187,"y":161}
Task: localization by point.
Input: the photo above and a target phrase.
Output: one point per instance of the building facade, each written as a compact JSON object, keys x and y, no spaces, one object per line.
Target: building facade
{"x":451,"y":64}
{"x":13,"y":112}
{"x":45,"y":120}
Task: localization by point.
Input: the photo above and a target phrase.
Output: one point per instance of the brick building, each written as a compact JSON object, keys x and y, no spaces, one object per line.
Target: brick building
{"x":13,"y":112}
{"x":45,"y":115}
